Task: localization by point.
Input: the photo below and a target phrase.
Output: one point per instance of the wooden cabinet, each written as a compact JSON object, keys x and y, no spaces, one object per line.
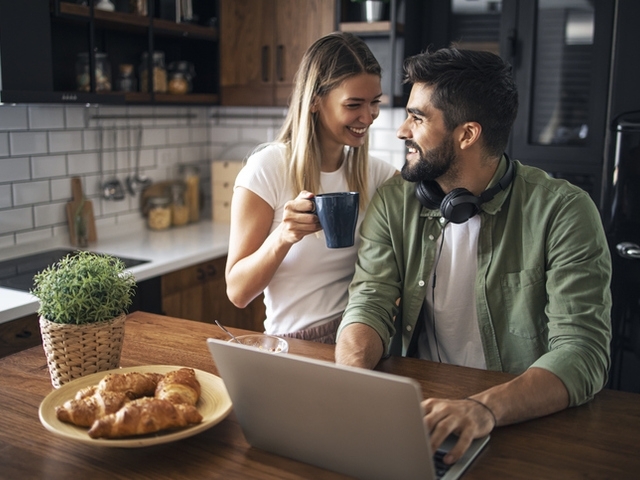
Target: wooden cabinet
{"x":199,"y":293}
{"x":262,"y":43}
{"x":223,"y":176}
{"x":41,"y":42}
{"x":19,"y":334}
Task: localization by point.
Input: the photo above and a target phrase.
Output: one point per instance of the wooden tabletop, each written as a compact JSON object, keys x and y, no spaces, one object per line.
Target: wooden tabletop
{"x":598,"y":440}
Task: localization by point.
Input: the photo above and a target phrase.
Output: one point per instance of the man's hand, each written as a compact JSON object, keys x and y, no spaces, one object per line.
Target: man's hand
{"x":465,"y":418}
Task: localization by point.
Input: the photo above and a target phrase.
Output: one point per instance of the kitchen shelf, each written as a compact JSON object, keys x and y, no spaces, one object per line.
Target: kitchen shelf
{"x":370,"y":28}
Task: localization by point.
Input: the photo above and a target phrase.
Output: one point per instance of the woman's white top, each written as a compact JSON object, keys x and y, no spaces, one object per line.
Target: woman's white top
{"x":310,"y":286}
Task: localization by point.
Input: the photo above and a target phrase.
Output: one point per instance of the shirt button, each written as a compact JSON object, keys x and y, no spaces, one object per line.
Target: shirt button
{"x":442,"y":219}
{"x":431,"y":237}
{"x":408,"y":328}
{"x":421,"y":283}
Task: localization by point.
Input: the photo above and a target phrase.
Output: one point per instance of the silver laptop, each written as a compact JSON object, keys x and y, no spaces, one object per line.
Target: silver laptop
{"x":362,"y":423}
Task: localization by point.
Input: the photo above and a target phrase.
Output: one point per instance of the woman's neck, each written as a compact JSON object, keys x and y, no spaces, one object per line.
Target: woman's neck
{"x":331,"y":158}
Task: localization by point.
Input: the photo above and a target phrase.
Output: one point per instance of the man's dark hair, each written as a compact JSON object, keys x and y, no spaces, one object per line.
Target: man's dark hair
{"x":469,"y":86}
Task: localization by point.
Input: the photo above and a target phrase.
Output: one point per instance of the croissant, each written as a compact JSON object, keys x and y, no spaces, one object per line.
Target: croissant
{"x":83,"y":410}
{"x":132,"y":384}
{"x":179,"y":386}
{"x":144,"y":415}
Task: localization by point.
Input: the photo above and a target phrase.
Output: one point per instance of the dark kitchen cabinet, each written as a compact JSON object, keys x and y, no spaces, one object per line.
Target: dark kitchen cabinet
{"x":200,"y":293}
{"x":40,"y":42}
{"x":561,"y":53}
{"x":19,"y":334}
{"x":262,"y":43}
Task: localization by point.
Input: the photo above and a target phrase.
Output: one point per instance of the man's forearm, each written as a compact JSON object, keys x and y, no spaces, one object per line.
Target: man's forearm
{"x":359,"y":346}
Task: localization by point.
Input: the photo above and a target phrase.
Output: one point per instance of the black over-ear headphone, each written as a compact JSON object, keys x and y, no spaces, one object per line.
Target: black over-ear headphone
{"x":459,"y":205}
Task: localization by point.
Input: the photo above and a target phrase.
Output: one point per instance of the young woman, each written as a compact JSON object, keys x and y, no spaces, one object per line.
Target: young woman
{"x":276,"y":245}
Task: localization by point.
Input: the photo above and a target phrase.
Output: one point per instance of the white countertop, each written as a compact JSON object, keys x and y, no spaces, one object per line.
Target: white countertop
{"x":167,"y":250}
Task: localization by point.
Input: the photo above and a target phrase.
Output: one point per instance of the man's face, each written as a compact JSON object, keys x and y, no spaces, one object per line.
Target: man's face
{"x":430,"y":145}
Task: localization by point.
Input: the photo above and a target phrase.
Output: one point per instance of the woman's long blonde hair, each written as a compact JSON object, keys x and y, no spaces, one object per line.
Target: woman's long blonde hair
{"x":325,"y":65}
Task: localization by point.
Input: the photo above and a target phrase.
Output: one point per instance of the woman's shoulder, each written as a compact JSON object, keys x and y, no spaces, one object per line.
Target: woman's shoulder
{"x":269,"y":152}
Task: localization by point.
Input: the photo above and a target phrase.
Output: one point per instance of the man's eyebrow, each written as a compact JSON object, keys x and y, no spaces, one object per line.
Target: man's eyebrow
{"x":416,"y":111}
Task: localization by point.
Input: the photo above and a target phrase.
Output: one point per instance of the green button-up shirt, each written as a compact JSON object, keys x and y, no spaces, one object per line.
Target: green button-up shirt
{"x":542,"y":283}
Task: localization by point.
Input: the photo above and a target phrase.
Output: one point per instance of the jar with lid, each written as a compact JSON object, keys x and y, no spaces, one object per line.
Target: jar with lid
{"x":159,"y":215}
{"x":126,"y":81}
{"x":102,"y":72}
{"x":191,"y":177}
{"x":179,"y":210}
{"x":159,"y":73}
{"x":180,"y":77}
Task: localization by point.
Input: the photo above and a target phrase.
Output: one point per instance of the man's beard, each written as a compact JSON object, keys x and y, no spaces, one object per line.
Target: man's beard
{"x":432,"y":164}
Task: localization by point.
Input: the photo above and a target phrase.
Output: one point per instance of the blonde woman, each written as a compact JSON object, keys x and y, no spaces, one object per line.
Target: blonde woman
{"x":321,"y":148}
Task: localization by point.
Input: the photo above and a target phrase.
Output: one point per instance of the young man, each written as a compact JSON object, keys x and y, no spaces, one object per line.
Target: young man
{"x":473,"y":259}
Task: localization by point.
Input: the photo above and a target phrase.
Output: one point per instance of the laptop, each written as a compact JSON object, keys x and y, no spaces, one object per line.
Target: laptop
{"x":358,"y":422}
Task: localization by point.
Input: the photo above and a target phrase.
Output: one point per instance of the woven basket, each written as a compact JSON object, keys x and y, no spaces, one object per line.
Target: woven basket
{"x":77,"y":350}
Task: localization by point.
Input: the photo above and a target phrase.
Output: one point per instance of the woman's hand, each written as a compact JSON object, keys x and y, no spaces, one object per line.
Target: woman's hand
{"x":298,"y":219}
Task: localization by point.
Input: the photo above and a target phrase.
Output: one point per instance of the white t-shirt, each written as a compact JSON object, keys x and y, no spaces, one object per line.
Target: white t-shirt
{"x":455,"y":337}
{"x":310,"y":286}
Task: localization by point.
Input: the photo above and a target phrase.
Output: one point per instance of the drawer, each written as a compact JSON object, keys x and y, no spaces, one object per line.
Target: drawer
{"x":223,"y":176}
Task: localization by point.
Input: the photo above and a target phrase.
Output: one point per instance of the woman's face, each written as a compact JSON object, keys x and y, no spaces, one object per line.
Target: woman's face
{"x":347,"y":111}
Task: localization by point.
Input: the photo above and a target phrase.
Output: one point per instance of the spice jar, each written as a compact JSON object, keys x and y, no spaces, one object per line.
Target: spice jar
{"x":180,"y":77}
{"x":179,"y":210}
{"x":159,"y":216}
{"x":102,"y":72}
{"x":159,"y":73}
{"x":126,"y":81}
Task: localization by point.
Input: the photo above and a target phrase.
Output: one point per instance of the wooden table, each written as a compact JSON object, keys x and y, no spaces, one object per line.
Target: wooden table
{"x":597,"y":440}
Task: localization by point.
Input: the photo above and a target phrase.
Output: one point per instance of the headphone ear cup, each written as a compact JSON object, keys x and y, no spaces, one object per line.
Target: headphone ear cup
{"x":459,"y":205}
{"x":429,"y":194}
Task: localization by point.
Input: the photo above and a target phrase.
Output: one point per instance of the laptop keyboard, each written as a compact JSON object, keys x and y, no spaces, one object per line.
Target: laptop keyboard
{"x":440,"y":467}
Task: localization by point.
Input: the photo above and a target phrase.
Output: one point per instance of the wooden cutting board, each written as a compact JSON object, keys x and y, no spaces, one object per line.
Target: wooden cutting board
{"x":85,"y":209}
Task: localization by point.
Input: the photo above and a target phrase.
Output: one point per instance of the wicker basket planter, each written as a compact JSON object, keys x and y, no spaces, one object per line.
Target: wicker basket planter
{"x":76,"y":350}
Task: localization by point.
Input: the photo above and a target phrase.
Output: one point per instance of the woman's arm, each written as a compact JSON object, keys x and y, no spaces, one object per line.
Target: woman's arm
{"x":254,"y":254}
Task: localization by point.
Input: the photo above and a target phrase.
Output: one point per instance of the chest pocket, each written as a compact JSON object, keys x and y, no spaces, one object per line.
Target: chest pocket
{"x":523,"y":293}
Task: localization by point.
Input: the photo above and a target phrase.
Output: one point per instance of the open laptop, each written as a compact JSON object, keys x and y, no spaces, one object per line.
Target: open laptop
{"x":362,"y":423}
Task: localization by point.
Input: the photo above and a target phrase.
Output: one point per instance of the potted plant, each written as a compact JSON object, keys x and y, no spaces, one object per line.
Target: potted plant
{"x":83,"y":304}
{"x":372,"y":10}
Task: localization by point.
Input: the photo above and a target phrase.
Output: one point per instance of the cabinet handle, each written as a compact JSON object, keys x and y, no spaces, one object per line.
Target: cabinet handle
{"x":201,"y":274}
{"x":265,"y":63}
{"x":279,"y":62}
{"x":512,"y":42}
{"x":212,"y":270}
{"x":24,"y":334}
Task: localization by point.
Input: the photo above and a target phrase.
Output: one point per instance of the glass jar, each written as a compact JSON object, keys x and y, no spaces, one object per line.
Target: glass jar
{"x":191,"y":177}
{"x":180,"y":77}
{"x":126,"y":81}
{"x":179,"y":209}
{"x":159,"y":216}
{"x":159,"y":73}
{"x":102,"y":72}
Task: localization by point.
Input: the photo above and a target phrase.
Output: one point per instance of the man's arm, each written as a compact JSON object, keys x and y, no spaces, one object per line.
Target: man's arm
{"x":359,"y":346}
{"x":535,"y":393}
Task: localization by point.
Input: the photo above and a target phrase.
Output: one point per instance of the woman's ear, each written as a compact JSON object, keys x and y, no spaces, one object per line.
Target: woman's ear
{"x":314,"y":105}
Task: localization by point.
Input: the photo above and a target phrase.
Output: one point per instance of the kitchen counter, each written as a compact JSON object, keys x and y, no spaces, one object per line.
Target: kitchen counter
{"x":166,"y":250}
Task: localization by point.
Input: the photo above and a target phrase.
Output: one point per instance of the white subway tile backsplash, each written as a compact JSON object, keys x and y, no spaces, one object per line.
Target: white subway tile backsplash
{"x":44,"y":117}
{"x":5,"y":196}
{"x":28,"y":143}
{"x":30,"y":193}
{"x":50,"y":214}
{"x":14,"y":169}
{"x":49,"y":166}
{"x":16,"y":220}
{"x":13,"y":117}
{"x":41,"y":147}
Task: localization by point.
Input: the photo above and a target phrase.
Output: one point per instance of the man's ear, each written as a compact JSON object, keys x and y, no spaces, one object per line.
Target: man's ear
{"x":469,"y":134}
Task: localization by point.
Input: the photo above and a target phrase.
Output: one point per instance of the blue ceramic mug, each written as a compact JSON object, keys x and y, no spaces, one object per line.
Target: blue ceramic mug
{"x":338,"y":215}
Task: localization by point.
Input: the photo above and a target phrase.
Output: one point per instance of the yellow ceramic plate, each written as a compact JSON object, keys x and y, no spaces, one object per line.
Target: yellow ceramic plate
{"x":214,"y":405}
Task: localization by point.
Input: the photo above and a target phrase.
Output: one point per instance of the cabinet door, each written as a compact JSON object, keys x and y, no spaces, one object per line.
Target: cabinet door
{"x":246,"y":52}
{"x":299,"y":24}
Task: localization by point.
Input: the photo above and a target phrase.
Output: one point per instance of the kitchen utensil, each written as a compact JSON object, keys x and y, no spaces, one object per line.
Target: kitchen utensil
{"x":233,"y":337}
{"x":80,"y":216}
{"x":112,"y":189}
{"x":137,"y":182}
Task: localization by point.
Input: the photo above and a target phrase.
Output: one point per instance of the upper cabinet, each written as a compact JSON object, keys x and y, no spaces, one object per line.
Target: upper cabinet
{"x":68,"y":52}
{"x":262,"y":43}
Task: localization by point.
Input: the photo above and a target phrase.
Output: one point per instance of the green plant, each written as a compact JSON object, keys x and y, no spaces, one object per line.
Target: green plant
{"x":84,"y":287}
